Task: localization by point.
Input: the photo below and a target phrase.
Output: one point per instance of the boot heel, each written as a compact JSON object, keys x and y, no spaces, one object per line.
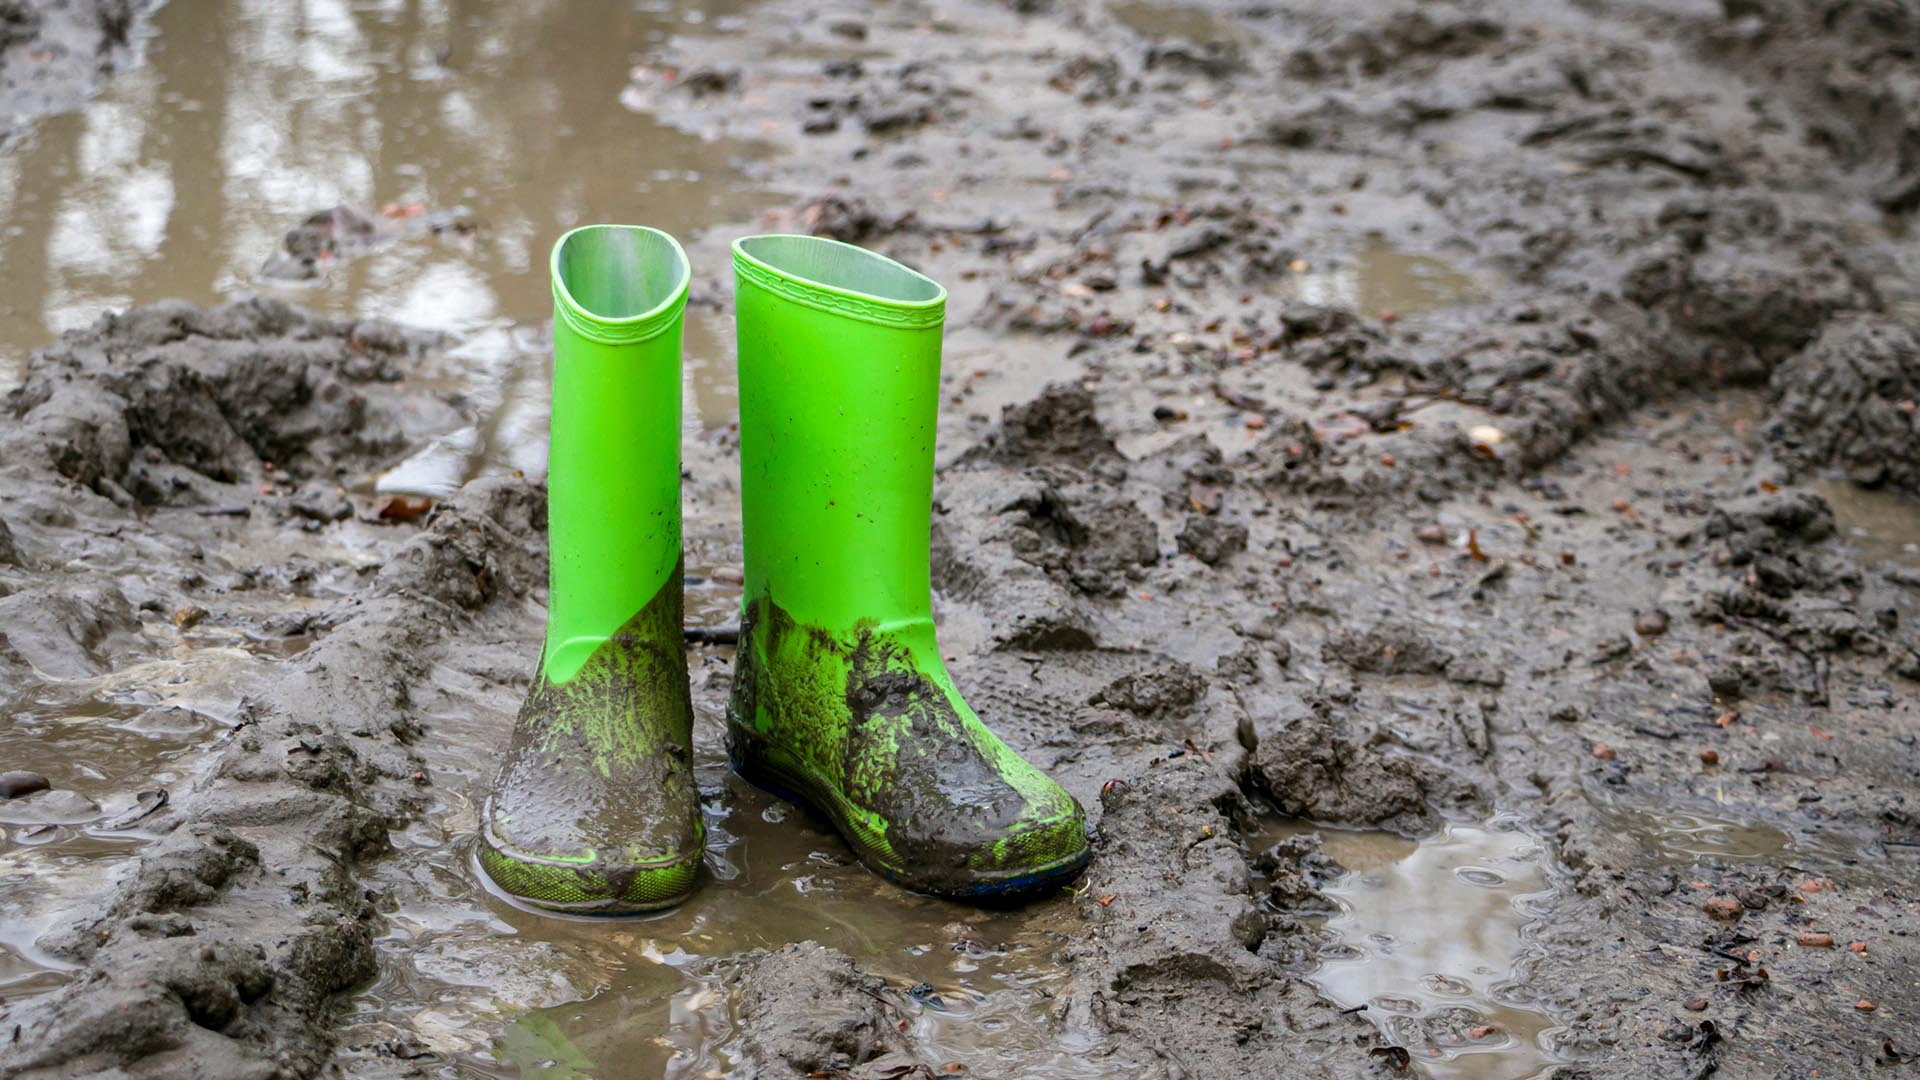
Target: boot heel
{"x":741,"y":758}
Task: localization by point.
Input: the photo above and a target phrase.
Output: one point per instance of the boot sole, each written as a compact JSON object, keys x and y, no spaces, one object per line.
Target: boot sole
{"x":487,"y":853}
{"x":1006,"y":887}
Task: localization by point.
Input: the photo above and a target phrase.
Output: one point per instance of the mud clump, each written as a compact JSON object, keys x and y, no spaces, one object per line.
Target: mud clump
{"x":806,"y":1010}
{"x":52,"y":56}
{"x":1847,"y":402}
{"x":1322,"y":766}
{"x":1082,"y":533}
{"x":1172,"y":965}
{"x":1212,"y":540}
{"x":150,"y":405}
{"x":330,"y":236}
{"x":1059,"y":426}
{"x":223,"y":951}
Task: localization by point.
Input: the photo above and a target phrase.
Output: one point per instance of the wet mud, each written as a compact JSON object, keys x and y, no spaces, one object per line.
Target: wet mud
{"x":52,"y":55}
{"x":1435,"y":481}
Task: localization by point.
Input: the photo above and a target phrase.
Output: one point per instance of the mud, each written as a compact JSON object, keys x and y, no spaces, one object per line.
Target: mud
{"x":53,"y":55}
{"x":1334,"y":397}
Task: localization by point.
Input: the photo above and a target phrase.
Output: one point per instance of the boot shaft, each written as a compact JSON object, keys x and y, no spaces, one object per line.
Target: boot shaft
{"x":839,"y":374}
{"x":613,"y":519}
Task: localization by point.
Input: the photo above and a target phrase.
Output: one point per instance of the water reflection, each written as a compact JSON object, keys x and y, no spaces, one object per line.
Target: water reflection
{"x":1381,"y":278}
{"x":185,"y":174}
{"x":1432,"y":938}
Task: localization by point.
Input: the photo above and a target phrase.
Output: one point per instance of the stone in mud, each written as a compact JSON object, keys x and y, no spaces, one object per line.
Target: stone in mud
{"x":1847,"y":401}
{"x":806,"y":1010}
{"x":66,"y":632}
{"x":1212,"y":540}
{"x":10,"y":555}
{"x":15,"y":783}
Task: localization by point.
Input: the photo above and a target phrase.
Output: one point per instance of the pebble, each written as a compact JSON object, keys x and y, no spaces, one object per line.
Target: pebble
{"x":1650,"y":623}
{"x":17,"y":783}
{"x":1709,"y":757}
{"x":1810,"y":939}
{"x":1603,"y":752}
{"x":1697,"y":1005}
{"x":1432,"y":534}
{"x":1724,"y":908}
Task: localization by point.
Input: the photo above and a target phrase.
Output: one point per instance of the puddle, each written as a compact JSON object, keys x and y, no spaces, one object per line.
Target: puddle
{"x":184,"y":174}
{"x":1882,"y":526}
{"x":1684,"y":837}
{"x":1380,"y":277}
{"x":1431,"y":936}
{"x":497,"y":991}
{"x":1196,"y":24}
{"x":101,"y":742}
{"x":1675,"y":838}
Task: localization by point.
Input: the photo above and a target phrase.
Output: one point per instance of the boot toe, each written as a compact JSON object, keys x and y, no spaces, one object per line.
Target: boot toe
{"x":1029,"y":860}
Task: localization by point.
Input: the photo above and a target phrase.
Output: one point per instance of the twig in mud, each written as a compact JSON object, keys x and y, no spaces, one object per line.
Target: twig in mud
{"x":1093,"y":223}
{"x":1243,"y":402}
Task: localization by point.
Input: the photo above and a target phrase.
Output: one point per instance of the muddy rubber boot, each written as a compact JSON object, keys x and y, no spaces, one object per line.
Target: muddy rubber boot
{"x":595,"y":809}
{"x":839,"y":697}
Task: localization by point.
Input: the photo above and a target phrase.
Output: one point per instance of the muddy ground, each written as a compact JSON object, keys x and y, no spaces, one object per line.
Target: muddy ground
{"x":1543,"y":547}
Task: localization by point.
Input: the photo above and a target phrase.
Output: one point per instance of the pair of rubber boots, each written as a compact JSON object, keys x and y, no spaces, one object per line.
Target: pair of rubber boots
{"x":840,"y":699}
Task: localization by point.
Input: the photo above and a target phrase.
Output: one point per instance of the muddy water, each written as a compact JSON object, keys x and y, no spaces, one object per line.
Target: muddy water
{"x":112,"y":746}
{"x":495,"y":990}
{"x":1381,"y":279}
{"x":147,"y":725}
{"x":1431,"y":938}
{"x":1883,"y":526}
{"x":181,"y":179}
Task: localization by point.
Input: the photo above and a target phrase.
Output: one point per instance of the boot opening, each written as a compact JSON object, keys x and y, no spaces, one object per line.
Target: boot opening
{"x":619,"y":271}
{"x":829,"y":264}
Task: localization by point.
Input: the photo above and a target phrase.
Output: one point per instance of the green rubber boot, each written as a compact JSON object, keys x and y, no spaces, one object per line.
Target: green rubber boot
{"x":595,"y":810}
{"x":839,"y":696}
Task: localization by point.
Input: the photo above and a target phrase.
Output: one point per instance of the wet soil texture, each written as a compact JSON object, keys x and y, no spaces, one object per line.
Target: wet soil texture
{"x":1436,"y":480}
